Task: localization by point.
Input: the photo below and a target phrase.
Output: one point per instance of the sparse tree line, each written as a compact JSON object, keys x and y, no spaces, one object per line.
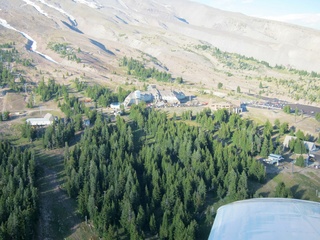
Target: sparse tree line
{"x":137,"y":68}
{"x":235,"y":57}
{"x":18,"y":194}
{"x":80,"y":85}
{"x":65,"y":50}
{"x":104,"y":96}
{"x":8,"y":74}
{"x":8,"y":45}
{"x":50,"y":90}
{"x":306,"y":88}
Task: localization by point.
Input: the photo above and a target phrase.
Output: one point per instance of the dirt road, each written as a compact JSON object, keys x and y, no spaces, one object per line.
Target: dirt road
{"x":58,"y":218}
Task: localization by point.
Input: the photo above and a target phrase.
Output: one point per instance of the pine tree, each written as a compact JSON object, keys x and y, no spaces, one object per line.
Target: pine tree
{"x":271,"y":147}
{"x":242,"y":190}
{"x":282,"y":191}
{"x":164,"y":228}
{"x":152,"y":224}
{"x":264,"y":149}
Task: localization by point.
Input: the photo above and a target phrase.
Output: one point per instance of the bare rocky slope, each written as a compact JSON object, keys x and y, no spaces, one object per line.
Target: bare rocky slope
{"x":166,"y":30}
{"x":154,"y":26}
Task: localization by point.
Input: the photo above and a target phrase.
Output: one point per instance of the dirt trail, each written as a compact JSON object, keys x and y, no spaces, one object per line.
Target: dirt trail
{"x":58,"y":218}
{"x":48,"y":189}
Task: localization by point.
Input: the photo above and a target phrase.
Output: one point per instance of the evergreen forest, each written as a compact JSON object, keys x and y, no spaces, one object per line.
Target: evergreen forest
{"x":156,"y":176}
{"x":144,"y":175}
{"x":18,"y":193}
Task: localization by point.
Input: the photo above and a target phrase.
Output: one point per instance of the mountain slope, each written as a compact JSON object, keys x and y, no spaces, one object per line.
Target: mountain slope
{"x":274,"y":42}
{"x":175,"y":36}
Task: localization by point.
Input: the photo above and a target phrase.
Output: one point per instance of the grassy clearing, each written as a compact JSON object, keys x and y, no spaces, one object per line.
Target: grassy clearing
{"x":302,"y":182}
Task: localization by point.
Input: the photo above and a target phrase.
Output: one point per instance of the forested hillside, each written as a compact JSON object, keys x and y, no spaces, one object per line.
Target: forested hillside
{"x":154,"y":175}
{"x":18,"y":194}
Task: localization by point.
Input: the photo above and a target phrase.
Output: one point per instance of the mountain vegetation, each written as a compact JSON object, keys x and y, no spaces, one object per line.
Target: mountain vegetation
{"x":150,"y":174}
{"x":104,"y":96}
{"x":136,"y":68}
{"x":8,"y":74}
{"x":154,"y":175}
{"x":306,"y":88}
{"x":65,"y":51}
{"x":18,"y":193}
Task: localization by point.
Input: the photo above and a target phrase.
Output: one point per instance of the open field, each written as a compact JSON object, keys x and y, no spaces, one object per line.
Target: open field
{"x":304,"y":183}
{"x":304,"y":123}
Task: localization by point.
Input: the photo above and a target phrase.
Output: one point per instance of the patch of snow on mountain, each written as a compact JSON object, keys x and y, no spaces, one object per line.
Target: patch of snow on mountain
{"x":123,"y":4}
{"x":36,"y":7}
{"x":5,"y":24}
{"x":72,"y":19}
{"x":92,"y":4}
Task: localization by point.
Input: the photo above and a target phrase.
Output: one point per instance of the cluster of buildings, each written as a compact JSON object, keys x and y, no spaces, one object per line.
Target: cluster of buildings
{"x":173,"y":98}
{"x":153,"y":95}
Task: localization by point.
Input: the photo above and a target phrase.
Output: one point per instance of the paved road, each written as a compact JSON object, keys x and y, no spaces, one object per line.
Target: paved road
{"x":306,"y":109}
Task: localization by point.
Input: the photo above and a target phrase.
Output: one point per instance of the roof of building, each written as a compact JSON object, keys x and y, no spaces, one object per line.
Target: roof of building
{"x":48,"y":116}
{"x":115,"y":105}
{"x":309,"y":145}
{"x":153,"y":94}
{"x":267,"y":218}
{"x":46,"y":120}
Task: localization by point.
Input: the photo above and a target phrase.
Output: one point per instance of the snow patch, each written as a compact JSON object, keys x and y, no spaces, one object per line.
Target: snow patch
{"x":37,"y":8}
{"x":92,"y":4}
{"x":71,"y":18}
{"x":123,"y":4}
{"x":33,"y":48}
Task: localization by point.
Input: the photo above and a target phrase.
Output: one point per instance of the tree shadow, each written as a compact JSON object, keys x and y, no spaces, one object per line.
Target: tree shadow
{"x":296,"y":192}
{"x":101,"y":46}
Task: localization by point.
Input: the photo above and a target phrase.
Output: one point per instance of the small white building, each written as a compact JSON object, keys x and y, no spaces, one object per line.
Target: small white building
{"x":45,"y":121}
{"x":115,"y":106}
